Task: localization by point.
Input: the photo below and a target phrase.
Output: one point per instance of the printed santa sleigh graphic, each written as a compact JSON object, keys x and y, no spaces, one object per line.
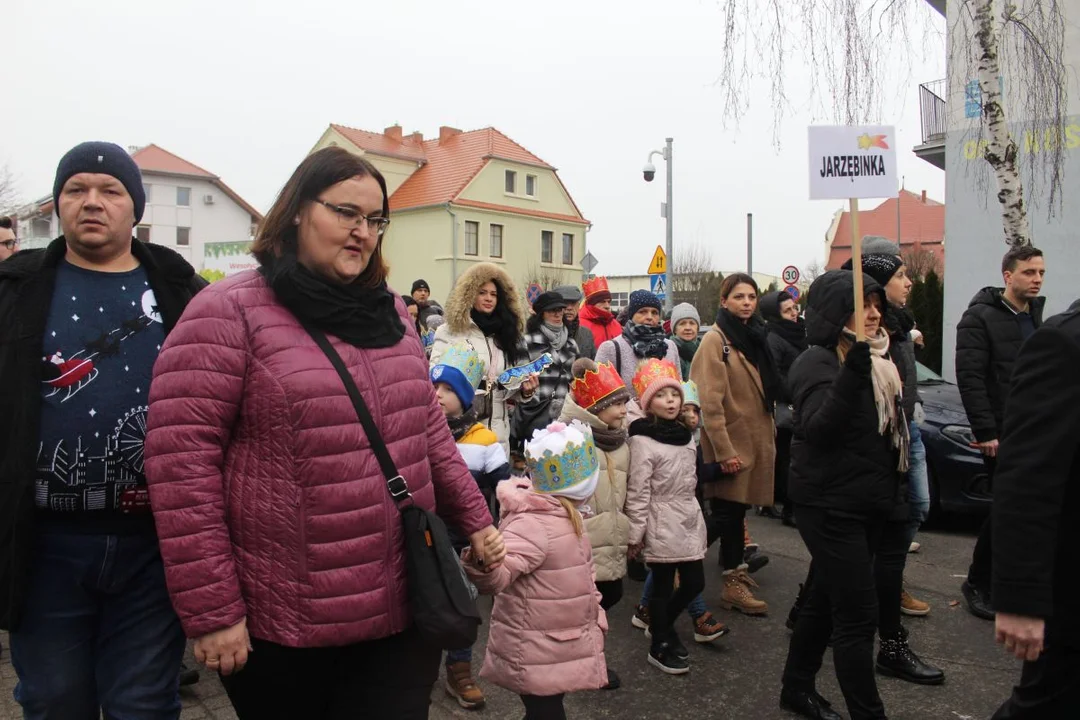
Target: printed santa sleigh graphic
{"x":77,"y":371}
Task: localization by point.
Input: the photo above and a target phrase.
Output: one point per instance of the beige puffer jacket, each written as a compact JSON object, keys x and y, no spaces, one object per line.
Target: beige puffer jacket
{"x":609,"y":527}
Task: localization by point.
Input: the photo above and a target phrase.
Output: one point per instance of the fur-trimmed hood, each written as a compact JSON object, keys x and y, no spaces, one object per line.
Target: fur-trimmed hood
{"x":462,"y":297}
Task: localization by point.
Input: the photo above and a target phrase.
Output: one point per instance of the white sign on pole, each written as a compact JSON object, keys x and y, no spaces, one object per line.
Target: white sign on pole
{"x":589,"y":262}
{"x":790,"y":276}
{"x":856,"y":161}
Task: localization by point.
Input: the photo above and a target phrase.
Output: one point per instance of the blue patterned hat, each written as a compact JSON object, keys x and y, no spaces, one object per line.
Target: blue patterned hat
{"x":462,"y":369}
{"x":690,"y":394}
{"x":562,"y":461}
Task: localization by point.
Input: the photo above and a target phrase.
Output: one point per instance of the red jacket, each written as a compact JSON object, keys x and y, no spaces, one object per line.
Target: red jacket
{"x":602,"y":323}
{"x":268,"y":500}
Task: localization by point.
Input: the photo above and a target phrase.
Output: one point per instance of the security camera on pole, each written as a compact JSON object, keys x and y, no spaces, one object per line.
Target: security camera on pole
{"x":649,"y":172}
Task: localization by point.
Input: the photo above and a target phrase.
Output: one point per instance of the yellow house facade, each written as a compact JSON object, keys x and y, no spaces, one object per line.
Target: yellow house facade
{"x":469,"y":197}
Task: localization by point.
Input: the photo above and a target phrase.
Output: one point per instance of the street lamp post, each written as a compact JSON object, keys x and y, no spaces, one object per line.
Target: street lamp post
{"x":650,"y":172}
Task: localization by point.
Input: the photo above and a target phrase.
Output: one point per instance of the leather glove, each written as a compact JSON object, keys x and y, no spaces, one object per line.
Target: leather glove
{"x":858,"y":359}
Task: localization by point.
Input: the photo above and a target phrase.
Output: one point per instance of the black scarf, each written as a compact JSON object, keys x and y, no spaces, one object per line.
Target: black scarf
{"x":749,"y":339}
{"x":361,"y":316}
{"x":668,"y":432}
{"x":899,"y":321}
{"x":792,"y":331}
{"x":501,"y":326}
{"x":462,"y":423}
{"x":647,"y":341}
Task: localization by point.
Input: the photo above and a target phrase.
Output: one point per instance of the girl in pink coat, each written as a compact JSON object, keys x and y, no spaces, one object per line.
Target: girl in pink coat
{"x":666,"y":525}
{"x":547,"y":627}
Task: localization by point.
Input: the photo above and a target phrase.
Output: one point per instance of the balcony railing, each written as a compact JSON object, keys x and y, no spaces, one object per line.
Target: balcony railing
{"x":935,"y":119}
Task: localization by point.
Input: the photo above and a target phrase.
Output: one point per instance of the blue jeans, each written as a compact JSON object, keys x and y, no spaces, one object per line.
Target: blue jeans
{"x":98,"y":631}
{"x":456,"y":656}
{"x":918,"y":483}
{"x":696,"y":608}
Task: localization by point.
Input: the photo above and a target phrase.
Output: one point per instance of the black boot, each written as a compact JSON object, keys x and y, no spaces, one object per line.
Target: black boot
{"x":896,"y":659}
{"x":793,"y":615}
{"x":808,"y":704}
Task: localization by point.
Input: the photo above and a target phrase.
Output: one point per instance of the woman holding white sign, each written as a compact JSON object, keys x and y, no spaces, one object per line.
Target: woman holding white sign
{"x":848,"y":459}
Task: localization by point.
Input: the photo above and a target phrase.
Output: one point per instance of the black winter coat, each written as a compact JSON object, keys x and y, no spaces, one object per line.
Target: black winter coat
{"x":1037,"y":484}
{"x":839,"y":460}
{"x":26,"y":290}
{"x":988,"y":339}
{"x":902,"y":349}
{"x":784,"y":355}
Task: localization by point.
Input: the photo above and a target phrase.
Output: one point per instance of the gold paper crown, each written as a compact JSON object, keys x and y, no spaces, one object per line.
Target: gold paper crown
{"x":595,"y":286}
{"x":651,"y":370}
{"x":596,"y":385}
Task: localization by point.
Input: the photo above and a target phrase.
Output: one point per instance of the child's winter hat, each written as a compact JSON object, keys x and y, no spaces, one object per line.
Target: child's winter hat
{"x":690,"y":394}
{"x":652,"y":376}
{"x":562,"y":461}
{"x":462,"y":369}
{"x":597,"y":387}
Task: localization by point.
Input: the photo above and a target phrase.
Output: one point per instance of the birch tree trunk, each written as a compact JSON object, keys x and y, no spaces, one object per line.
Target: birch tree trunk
{"x":1001,"y":149}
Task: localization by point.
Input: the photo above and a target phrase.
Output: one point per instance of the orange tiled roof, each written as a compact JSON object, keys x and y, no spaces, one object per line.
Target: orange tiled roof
{"x":919,"y":222}
{"x":448,"y":165}
{"x":154,"y":159}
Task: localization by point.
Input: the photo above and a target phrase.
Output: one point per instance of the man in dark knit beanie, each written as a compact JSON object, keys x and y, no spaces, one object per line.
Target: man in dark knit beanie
{"x":79,"y":556}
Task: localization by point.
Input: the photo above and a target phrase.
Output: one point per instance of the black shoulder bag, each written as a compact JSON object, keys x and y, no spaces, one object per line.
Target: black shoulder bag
{"x":441,"y":598}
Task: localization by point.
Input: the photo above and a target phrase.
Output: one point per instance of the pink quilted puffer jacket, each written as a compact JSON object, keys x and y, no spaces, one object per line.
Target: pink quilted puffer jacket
{"x":547,"y":626}
{"x":268,"y":500}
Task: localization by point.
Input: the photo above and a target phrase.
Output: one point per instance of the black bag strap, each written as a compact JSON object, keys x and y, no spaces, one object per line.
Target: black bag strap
{"x":618,"y":357}
{"x":395,"y":484}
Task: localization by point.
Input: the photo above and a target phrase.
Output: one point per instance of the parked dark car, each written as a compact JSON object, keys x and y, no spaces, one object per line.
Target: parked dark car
{"x":958,"y":479}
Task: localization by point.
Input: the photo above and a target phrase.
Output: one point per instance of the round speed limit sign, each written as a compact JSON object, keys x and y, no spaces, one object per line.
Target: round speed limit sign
{"x":790,"y":275}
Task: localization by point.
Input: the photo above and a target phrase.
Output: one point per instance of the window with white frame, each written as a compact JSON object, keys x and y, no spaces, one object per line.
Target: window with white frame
{"x":496,"y":241}
{"x":567,"y":249}
{"x":183,"y":196}
{"x":511,"y":182}
{"x":472,"y":238}
{"x":530,"y":185}
{"x":619,"y":300}
{"x":547,"y":241}
{"x":183,"y":236}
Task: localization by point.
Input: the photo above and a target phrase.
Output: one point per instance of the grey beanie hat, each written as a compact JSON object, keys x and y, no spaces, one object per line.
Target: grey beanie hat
{"x":877,"y":245}
{"x":684,"y":311}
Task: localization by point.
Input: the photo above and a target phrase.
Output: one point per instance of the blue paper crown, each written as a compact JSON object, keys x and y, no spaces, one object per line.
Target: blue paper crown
{"x":462,"y":357}
{"x":552,"y":473}
{"x":690,"y":393}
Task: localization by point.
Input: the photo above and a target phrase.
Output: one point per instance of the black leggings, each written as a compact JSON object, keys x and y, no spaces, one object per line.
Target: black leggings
{"x":544,"y":707}
{"x":664,"y":605}
{"x":728,"y":520}
{"x":611,"y":592}
{"x":391,"y":677}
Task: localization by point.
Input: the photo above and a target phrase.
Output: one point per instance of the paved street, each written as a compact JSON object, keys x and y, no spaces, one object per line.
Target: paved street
{"x":739,"y":677}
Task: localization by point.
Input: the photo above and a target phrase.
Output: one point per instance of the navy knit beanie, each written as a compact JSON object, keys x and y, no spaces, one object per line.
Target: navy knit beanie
{"x":104,"y":158}
{"x":641,"y":299}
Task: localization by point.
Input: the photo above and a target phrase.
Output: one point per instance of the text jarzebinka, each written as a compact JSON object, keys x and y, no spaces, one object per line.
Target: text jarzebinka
{"x":852,"y":166}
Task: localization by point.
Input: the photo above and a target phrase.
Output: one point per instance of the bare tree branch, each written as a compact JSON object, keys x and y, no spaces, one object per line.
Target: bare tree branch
{"x":9,"y":194}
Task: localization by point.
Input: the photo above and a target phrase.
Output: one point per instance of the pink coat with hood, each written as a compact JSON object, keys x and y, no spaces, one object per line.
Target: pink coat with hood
{"x":547,"y":626}
{"x":268,"y":499}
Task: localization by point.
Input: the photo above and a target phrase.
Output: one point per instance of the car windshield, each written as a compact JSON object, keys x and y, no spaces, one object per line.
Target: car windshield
{"x":927,"y":376}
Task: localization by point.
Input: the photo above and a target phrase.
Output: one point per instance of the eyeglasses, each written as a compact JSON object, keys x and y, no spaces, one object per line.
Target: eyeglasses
{"x":350,"y":217}
{"x":10,"y":244}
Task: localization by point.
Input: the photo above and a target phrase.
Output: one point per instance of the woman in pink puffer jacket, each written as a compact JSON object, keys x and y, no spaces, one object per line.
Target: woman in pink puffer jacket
{"x":547,"y":626}
{"x":275,"y":522}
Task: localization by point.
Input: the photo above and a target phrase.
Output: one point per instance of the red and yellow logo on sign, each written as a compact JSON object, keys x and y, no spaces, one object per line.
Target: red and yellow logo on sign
{"x":867,"y":141}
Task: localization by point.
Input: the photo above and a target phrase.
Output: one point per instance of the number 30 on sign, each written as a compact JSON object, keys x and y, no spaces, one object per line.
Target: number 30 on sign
{"x":790,"y":275}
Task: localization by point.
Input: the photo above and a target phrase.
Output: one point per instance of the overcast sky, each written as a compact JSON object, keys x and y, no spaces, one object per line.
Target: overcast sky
{"x":245,"y":88}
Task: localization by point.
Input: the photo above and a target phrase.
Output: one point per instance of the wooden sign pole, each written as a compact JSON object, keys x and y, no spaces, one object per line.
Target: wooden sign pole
{"x":856,"y":268}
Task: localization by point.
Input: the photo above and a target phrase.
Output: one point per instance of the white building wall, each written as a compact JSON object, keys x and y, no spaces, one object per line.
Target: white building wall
{"x":973,"y":228}
{"x":223,"y":220}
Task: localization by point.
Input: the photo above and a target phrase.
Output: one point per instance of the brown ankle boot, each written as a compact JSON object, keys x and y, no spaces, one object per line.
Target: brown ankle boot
{"x":737,"y":595}
{"x":461,"y":686}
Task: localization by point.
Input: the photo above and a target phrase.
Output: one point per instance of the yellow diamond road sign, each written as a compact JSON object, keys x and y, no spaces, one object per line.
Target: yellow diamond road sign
{"x":658,"y":266}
